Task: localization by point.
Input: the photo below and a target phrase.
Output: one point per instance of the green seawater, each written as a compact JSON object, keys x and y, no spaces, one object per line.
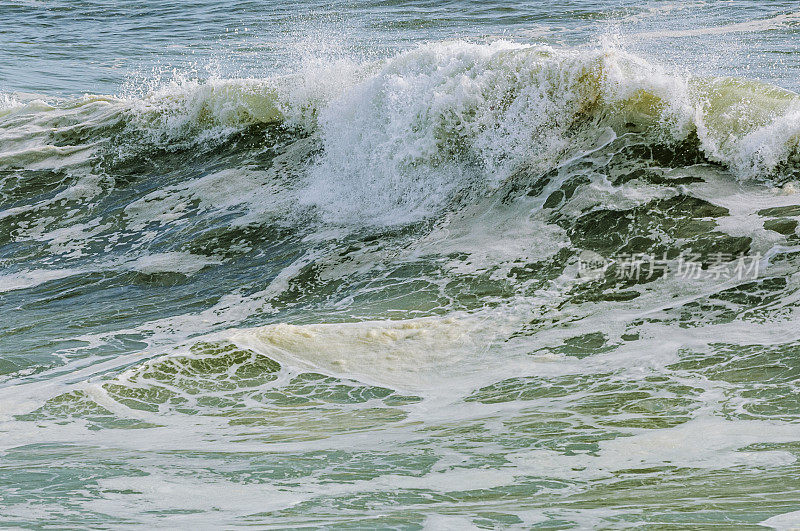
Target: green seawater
{"x":413,"y":265}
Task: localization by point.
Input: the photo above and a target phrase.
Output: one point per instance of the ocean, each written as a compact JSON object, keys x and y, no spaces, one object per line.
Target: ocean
{"x":399,"y":265}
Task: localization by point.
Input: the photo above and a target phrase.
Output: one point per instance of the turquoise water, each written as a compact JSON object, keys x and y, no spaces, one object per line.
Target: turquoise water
{"x":399,"y":265}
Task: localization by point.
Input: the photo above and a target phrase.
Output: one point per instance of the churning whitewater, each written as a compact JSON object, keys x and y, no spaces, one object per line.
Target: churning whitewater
{"x":508,"y":276}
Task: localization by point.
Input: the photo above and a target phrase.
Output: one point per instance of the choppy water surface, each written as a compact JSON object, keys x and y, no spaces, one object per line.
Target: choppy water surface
{"x":399,"y":264}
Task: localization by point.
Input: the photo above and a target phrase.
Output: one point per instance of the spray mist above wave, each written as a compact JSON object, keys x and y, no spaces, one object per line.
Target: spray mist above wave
{"x":400,"y":137}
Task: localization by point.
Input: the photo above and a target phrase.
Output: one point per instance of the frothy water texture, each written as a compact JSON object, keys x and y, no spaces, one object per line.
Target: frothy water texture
{"x":400,"y":265}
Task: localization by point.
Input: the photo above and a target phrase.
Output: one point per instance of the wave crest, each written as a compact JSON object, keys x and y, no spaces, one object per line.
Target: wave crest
{"x":400,"y":137}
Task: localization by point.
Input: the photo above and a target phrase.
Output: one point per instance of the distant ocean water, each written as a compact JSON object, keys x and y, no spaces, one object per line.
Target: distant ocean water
{"x":382,"y":264}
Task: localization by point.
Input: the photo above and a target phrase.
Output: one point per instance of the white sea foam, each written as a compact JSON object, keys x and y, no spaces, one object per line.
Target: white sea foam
{"x":32,"y":278}
{"x":410,"y":354}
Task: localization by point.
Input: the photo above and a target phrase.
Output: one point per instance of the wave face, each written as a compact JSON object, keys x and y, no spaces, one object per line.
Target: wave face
{"x":401,"y":137}
{"x":456,"y":283}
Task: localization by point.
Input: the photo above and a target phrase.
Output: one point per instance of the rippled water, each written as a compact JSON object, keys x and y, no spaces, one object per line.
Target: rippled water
{"x":399,"y":265}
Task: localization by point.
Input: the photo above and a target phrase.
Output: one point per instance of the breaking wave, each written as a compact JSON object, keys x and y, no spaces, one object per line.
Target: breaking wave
{"x":401,"y":137}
